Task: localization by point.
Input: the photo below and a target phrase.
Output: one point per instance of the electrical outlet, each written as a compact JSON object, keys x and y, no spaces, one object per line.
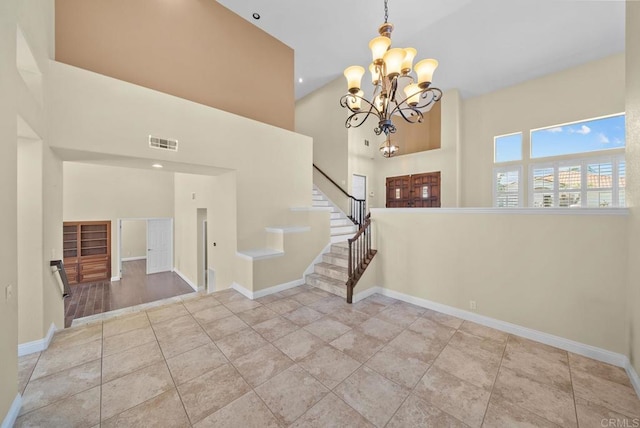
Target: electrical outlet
{"x":472,"y":305}
{"x":193,"y":196}
{"x":8,"y":293}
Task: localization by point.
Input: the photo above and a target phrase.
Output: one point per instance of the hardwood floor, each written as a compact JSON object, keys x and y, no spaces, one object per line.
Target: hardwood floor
{"x":135,"y":287}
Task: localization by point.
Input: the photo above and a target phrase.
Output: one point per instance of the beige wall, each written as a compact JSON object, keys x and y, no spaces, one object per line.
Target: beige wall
{"x":418,"y":137}
{"x":98,"y":192}
{"x":550,"y":100}
{"x":559,"y":274}
{"x":134,"y":239}
{"x":189,"y":49}
{"x":633,"y":174}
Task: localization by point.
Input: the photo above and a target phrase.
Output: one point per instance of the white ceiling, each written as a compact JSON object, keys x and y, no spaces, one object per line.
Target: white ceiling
{"x":482,"y":45}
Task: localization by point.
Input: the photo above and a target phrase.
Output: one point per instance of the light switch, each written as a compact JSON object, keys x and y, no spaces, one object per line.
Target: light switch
{"x":8,"y":292}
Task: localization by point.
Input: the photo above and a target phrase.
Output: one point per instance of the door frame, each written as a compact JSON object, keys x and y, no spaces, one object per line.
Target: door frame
{"x":146,"y":220}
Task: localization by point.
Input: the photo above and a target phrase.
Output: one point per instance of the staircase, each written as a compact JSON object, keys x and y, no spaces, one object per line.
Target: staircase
{"x":331,"y":273}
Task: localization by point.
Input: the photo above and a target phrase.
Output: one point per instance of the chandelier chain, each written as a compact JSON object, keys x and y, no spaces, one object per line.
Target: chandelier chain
{"x":386,"y":11}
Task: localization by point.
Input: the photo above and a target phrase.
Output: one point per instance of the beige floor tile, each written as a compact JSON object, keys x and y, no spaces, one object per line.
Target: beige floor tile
{"x":199,"y":304}
{"x":80,"y":410}
{"x":176,"y":345}
{"x":44,"y":391}
{"x":135,"y":388}
{"x":432,"y":330}
{"x":168,"y":312}
{"x":369,"y":307}
{"x":164,"y":410}
{"x":241,"y":343}
{"x":131,"y":339}
{"x":349,"y":316}
{"x":291,"y":393}
{"x":242,"y":305}
{"x":415,"y":412}
{"x":124,"y":324}
{"x":262,"y":364}
{"x":299,"y":344}
{"x":265,"y":300}
{"x":599,"y":369}
{"x":357,"y":345}
{"x":275,"y":328}
{"x":327,"y":329}
{"x":401,"y":314}
{"x":212,"y":391}
{"x":382,"y":300}
{"x":212,"y":314}
{"x":373,"y":396}
{"x":306,"y":297}
{"x":329,"y":304}
{"x":194,"y":363}
{"x":257,"y":315}
{"x":444,"y":319}
{"x":247,"y":411}
{"x":458,"y":398}
{"x":176,"y":327}
{"x":315,"y":290}
{"x":540,"y":362}
{"x":329,"y":366}
{"x":379,"y":329}
{"x":542,"y":399}
{"x":228,"y":295}
{"x":398,"y":366}
{"x":125,"y":362}
{"x":331,"y":412}
{"x":592,"y":415}
{"x":76,"y":335}
{"x":477,"y":371}
{"x":26,"y":364}
{"x":474,"y":345}
{"x":283,"y":306}
{"x":502,"y":414}
{"x":290,"y":292}
{"x":223,"y":327}
{"x":612,"y":395}
{"x":414,"y":345}
{"x":482,"y":331}
{"x":303,"y":316}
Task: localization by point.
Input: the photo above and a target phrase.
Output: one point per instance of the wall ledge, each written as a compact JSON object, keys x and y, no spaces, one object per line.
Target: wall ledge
{"x":37,"y":345}
{"x":12,"y":414}
{"x":259,"y":254}
{"x":507,"y":211}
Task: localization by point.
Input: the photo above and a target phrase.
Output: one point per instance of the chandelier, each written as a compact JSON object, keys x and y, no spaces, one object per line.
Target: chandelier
{"x":390,"y":75}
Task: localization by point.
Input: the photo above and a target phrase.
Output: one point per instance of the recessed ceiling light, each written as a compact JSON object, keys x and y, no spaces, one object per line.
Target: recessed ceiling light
{"x":300,"y":80}
{"x":256,"y":15}
{"x":157,"y":165}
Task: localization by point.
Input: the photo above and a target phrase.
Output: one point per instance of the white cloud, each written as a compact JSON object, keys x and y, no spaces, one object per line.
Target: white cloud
{"x":603,"y":138}
{"x":584,"y":130}
{"x":555,"y":130}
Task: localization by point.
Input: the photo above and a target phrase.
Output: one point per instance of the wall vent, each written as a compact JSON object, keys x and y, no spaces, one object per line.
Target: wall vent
{"x":163,"y":143}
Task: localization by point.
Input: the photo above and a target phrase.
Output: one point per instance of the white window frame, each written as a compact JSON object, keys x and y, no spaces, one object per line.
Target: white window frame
{"x":504,"y":169}
{"x":509,"y":135}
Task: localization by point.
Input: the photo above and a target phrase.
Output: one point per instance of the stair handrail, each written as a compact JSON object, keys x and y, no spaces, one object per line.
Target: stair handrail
{"x":360,"y":255}
{"x":357,"y":206}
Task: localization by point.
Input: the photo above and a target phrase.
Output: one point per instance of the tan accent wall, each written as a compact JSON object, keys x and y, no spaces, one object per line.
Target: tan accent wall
{"x":633,"y":175}
{"x":197,"y":50}
{"x":560,"y":274}
{"x":419,"y":137}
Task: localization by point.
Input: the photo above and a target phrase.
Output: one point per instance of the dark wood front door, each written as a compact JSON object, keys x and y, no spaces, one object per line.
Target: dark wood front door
{"x":414,"y":191}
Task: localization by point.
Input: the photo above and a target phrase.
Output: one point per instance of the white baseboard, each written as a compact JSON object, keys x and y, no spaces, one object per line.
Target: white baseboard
{"x":13,"y":412}
{"x":185,"y":279}
{"x":115,"y":278}
{"x":589,"y":351}
{"x":266,"y":291}
{"x":366,"y":293}
{"x":37,"y":345}
{"x":633,"y":376}
{"x":130,"y":259}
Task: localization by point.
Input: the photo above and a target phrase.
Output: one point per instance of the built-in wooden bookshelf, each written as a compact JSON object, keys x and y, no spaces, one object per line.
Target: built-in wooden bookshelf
{"x":87,"y":251}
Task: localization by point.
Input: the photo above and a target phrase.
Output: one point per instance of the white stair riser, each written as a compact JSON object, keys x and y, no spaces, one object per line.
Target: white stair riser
{"x":341,"y":222}
{"x":330,"y":288}
{"x":341,"y":238}
{"x":336,"y":215}
{"x":320,"y":203}
{"x":343,"y":230}
{"x":341,"y":276}
{"x":332,"y":259}
{"x":318,"y":198}
{"x":337,"y":249}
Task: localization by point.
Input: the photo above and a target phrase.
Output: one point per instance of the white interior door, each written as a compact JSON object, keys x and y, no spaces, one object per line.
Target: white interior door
{"x":159,"y":245}
{"x":359,"y":186}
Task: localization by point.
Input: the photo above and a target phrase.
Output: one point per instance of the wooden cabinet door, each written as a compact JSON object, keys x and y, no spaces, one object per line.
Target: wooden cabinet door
{"x":425,"y":190}
{"x":398,"y":191}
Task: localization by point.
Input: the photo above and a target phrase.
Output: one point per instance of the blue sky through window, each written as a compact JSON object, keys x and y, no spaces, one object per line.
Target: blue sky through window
{"x":508,"y":148}
{"x":589,"y":136}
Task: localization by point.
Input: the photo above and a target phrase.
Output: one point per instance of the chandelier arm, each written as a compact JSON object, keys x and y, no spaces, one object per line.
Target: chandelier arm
{"x":345,"y":99}
{"x":416,"y":115}
{"x":436,"y":95}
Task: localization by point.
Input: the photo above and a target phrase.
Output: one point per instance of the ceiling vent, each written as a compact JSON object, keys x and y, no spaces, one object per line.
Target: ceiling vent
{"x":163,"y":144}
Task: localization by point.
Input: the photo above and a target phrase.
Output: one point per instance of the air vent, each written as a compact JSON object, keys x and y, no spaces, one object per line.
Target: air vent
{"x":163,"y":144}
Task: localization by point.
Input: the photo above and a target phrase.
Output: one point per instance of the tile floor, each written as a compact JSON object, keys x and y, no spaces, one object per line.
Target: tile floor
{"x":304,"y":358}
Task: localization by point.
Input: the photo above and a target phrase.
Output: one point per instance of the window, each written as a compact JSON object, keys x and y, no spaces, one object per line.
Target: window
{"x":506,"y":186}
{"x":508,"y":148}
{"x":580,"y":137}
{"x":587,"y":182}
